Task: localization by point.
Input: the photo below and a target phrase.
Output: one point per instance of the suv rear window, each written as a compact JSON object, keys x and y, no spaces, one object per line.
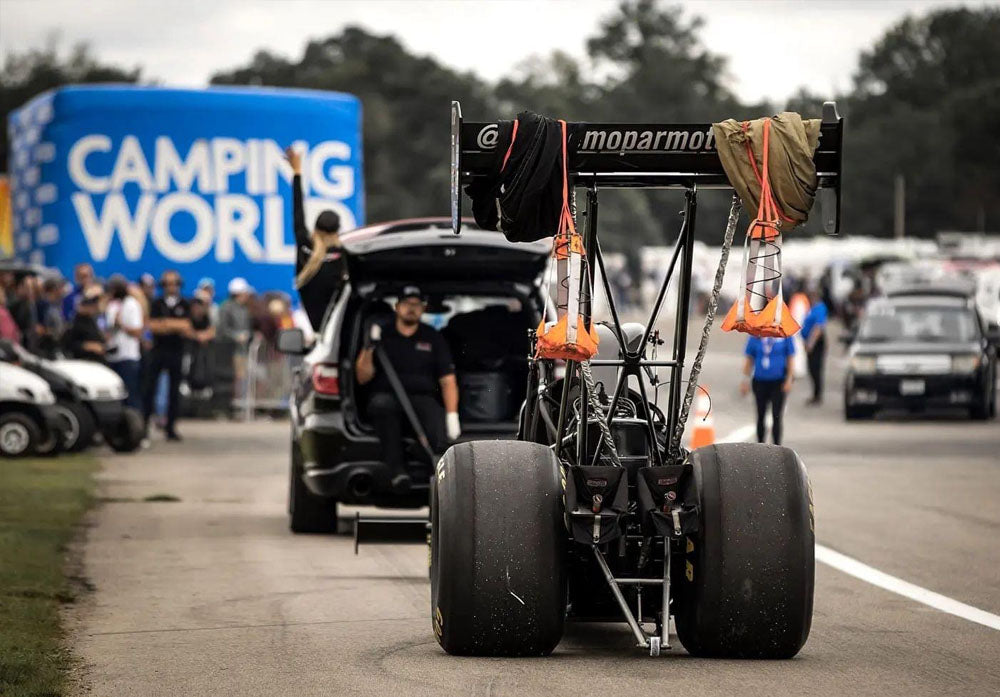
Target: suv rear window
{"x":913,"y":323}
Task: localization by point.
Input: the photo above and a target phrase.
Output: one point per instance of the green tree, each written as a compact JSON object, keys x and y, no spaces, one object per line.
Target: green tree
{"x":25,"y":75}
{"x":405,"y":102}
{"x":925,"y":104}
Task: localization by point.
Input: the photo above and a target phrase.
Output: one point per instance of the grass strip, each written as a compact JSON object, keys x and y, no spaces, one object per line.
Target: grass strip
{"x":41,"y":502}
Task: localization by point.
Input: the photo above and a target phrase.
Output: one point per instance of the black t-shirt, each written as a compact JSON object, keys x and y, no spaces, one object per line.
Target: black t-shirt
{"x":318,"y":291}
{"x":159,"y":310}
{"x":82,"y":330}
{"x":420,"y":360}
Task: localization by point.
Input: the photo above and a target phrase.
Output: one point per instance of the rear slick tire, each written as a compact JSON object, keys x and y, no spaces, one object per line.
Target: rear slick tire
{"x":744,"y":586}
{"x":498,"y":582}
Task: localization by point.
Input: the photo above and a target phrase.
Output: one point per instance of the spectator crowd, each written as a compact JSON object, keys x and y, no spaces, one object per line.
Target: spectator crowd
{"x":169,"y":348}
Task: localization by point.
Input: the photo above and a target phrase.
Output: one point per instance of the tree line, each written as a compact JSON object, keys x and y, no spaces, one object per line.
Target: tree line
{"x":924,"y":103}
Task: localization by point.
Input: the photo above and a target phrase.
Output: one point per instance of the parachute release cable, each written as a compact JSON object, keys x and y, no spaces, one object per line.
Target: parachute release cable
{"x":713,"y":303}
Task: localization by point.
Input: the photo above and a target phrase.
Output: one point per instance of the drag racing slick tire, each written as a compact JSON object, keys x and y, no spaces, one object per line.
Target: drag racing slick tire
{"x":744,"y":587}
{"x":498,"y":585}
{"x":307,"y":512}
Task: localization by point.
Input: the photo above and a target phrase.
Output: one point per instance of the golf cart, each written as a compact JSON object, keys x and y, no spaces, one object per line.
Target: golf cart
{"x":597,"y":511}
{"x":89,"y":400}
{"x":28,"y":420}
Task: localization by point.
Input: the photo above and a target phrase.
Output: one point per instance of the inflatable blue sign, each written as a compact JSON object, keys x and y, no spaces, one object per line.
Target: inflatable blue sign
{"x":142,"y":179}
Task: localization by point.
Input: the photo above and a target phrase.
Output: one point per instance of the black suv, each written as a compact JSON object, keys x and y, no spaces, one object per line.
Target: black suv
{"x":484,"y":294}
{"x":920,"y":348}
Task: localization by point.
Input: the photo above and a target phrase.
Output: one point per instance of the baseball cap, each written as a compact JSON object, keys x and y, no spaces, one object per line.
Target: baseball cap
{"x":411,"y":292}
{"x":238,"y":285}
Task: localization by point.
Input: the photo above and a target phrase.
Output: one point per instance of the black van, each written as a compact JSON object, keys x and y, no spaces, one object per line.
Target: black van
{"x":484,"y":294}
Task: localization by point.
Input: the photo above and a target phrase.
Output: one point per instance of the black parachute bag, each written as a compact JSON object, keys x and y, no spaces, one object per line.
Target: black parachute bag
{"x":522,"y":197}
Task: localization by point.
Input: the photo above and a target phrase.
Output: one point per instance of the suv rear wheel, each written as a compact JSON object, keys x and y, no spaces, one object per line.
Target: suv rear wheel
{"x":307,"y":512}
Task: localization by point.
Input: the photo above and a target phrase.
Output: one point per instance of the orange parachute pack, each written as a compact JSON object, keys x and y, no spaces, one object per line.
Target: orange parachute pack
{"x":760,"y":309}
{"x":568,"y":338}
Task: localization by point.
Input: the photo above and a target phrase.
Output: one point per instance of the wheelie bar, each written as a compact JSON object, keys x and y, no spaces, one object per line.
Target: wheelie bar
{"x":657,"y":640}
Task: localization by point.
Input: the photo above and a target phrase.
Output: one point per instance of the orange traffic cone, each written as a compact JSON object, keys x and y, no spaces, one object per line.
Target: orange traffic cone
{"x":703,"y":427}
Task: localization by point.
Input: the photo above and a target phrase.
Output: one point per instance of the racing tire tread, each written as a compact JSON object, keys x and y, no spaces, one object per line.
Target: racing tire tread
{"x":498,"y":581}
{"x":744,"y":586}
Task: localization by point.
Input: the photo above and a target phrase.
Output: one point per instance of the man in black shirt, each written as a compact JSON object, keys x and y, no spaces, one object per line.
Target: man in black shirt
{"x":84,"y":339}
{"x":423,"y":362}
{"x":170,"y":324}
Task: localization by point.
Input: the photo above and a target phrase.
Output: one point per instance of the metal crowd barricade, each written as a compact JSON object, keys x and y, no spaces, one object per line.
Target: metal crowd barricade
{"x":266,"y":382}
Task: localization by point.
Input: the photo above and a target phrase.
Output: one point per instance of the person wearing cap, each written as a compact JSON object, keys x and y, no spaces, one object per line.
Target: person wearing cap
{"x":233,"y":331}
{"x":84,"y":338}
{"x":22,"y":305}
{"x":234,"y":314}
{"x":422,"y":359}
{"x":814,"y":336}
{"x":170,"y":323}
{"x":320,"y":262}
{"x":83,"y":276}
{"x":768,"y":374}
{"x":206,"y":292}
{"x":124,"y":319}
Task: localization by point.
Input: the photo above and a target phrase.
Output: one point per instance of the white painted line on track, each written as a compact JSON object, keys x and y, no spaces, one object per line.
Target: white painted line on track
{"x":862,"y":571}
{"x":741,"y":434}
{"x":869,"y":574}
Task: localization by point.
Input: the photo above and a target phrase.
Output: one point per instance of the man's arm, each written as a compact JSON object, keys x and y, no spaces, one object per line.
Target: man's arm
{"x":129,"y":320}
{"x":747,"y":372}
{"x":169,"y":325}
{"x":814,"y":335}
{"x":789,"y":365}
{"x":206,"y":334}
{"x":449,"y":392}
{"x":364,"y":366}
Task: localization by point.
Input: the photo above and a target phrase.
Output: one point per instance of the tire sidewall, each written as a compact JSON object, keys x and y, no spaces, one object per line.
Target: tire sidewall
{"x":18,"y":430}
{"x":738,"y":604}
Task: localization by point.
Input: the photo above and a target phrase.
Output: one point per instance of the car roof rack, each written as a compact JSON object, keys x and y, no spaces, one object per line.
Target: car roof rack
{"x":673,"y":156}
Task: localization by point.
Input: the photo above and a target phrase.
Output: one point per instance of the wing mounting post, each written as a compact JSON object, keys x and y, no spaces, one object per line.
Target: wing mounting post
{"x":456,"y":167}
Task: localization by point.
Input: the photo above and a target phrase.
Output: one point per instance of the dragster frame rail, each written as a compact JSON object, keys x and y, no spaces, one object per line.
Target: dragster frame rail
{"x":640,"y":156}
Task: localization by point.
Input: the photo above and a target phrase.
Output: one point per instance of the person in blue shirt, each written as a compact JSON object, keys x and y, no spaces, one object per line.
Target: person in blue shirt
{"x":768,"y":372}
{"x":814,"y":338}
{"x":83,"y":276}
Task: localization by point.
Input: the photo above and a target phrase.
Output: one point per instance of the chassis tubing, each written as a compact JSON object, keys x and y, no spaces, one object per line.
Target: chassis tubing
{"x":498,"y":582}
{"x":744,"y":586}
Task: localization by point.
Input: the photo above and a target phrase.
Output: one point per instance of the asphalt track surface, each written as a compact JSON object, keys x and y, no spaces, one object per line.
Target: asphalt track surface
{"x":212,"y":595}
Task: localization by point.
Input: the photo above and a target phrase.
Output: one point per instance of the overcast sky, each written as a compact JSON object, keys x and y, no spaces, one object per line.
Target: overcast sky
{"x":182,"y":42}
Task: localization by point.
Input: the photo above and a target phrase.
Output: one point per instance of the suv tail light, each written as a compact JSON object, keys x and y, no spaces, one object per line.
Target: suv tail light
{"x":326,"y":379}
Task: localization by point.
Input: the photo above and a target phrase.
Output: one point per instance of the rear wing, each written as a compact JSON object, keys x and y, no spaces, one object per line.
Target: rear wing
{"x":642,"y":156}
